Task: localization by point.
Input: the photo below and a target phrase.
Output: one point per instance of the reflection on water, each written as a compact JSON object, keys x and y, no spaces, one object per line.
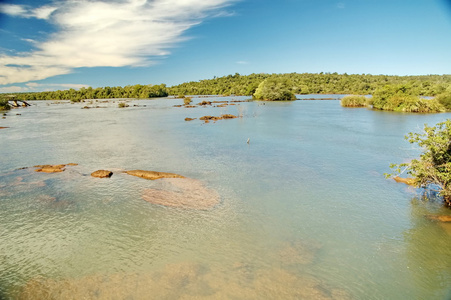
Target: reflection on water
{"x":302,"y":211}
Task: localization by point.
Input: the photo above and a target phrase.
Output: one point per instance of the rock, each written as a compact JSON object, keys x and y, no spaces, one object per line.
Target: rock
{"x":204,"y":103}
{"x":50,"y":168}
{"x":298,"y":252}
{"x":102,"y":174}
{"x":190,"y":119}
{"x":183,"y":193}
{"x":228,"y":117}
{"x":3,"y":127}
{"x":408,"y":181}
{"x":152,"y":175}
{"x":441,"y":218}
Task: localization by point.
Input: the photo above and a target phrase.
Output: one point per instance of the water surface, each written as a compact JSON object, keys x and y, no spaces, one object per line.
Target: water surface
{"x":305,"y":210}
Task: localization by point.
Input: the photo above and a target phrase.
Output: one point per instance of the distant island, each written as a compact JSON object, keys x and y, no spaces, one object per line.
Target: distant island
{"x":396,"y":93}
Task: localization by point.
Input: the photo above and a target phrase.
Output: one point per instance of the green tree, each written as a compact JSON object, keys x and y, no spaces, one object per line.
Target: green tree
{"x":433,"y":167}
{"x":276,"y":89}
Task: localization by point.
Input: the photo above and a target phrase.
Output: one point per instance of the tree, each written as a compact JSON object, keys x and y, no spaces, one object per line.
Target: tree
{"x":433,"y":168}
{"x":275,"y":88}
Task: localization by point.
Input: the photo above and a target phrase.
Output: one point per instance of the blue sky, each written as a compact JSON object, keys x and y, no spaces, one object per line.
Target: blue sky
{"x":50,"y":45}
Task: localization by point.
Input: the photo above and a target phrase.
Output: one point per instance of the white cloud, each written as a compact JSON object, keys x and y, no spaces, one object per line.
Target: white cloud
{"x":100,"y":33}
{"x":40,"y":87}
{"x":242,"y":62}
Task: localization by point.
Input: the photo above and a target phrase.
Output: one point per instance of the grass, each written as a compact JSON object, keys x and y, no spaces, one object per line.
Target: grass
{"x":354,"y":101}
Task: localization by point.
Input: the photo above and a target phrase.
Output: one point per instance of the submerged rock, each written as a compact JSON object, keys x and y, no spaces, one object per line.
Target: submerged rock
{"x":185,"y":281}
{"x":441,"y":218}
{"x":298,"y":252}
{"x":152,"y":175}
{"x":183,"y":193}
{"x":408,"y":181}
{"x":102,"y":174}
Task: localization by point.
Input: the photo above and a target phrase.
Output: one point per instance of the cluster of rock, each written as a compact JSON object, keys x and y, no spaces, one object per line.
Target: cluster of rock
{"x":181,"y":192}
{"x":207,"y":119}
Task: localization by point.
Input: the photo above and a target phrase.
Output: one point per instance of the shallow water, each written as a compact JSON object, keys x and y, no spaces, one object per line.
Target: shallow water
{"x":305,"y":211}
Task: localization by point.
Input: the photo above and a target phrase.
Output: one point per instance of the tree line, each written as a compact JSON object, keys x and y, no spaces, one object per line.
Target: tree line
{"x":246,"y":85}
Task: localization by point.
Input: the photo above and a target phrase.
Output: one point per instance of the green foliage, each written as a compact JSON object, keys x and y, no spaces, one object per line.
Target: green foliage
{"x":354,"y":101}
{"x":129,"y":91}
{"x":275,"y":88}
{"x":4,"y":105}
{"x":187,"y":100}
{"x":445,"y":99}
{"x":433,"y":168}
{"x":122,"y":105}
{"x":308,"y":83}
{"x":404,"y":98}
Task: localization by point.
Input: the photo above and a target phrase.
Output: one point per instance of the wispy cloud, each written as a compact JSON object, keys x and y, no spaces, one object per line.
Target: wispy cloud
{"x":40,"y":87}
{"x":242,"y":62}
{"x":103,"y":33}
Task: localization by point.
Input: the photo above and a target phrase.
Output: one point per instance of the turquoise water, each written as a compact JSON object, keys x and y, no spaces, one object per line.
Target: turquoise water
{"x":305,"y":210}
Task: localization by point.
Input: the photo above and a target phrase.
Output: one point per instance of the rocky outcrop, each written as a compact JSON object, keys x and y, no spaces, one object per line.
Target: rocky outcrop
{"x":183,"y":193}
{"x":52,"y":168}
{"x":213,"y":118}
{"x":152,"y":175}
{"x":408,"y":181}
{"x":102,"y":174}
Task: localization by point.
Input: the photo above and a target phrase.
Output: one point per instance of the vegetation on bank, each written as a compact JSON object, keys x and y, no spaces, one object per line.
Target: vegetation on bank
{"x":4,"y":105}
{"x":354,"y":101}
{"x":432,"y":169}
{"x":275,"y":89}
{"x":305,"y":83}
{"x":404,"y":98}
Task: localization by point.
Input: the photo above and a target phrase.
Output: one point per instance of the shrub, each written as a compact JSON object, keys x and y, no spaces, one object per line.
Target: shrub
{"x":275,"y":89}
{"x":187,"y":100}
{"x":445,"y":99}
{"x":433,"y":167}
{"x":122,"y":105}
{"x":404,"y":99}
{"x":4,"y":105}
{"x":354,"y":101}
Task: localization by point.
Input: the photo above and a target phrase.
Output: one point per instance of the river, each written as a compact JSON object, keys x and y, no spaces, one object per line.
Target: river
{"x":305,"y":211}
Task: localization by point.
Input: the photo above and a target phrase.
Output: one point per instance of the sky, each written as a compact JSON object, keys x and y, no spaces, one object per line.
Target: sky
{"x":57,"y":45}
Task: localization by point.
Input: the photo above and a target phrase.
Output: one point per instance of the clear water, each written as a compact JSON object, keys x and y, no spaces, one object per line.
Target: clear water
{"x":305,"y":211}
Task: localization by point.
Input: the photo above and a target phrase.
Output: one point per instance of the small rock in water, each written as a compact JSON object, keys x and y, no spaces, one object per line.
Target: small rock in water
{"x":152,"y":175}
{"x":102,"y":174}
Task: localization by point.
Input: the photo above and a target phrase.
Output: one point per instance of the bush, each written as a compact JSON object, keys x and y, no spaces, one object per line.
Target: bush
{"x":4,"y":105}
{"x":354,"y":101}
{"x":122,"y":105}
{"x":187,"y":100}
{"x":404,"y":99}
{"x":444,"y":99}
{"x":275,"y":89}
{"x":434,"y":165}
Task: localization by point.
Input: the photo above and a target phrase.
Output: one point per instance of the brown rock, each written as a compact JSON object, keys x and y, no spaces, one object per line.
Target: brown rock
{"x":408,"y":181}
{"x":50,"y":168}
{"x":152,"y":175}
{"x":102,"y":174}
{"x":190,"y":119}
{"x":3,"y":127}
{"x":441,"y":218}
{"x":228,"y":117}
